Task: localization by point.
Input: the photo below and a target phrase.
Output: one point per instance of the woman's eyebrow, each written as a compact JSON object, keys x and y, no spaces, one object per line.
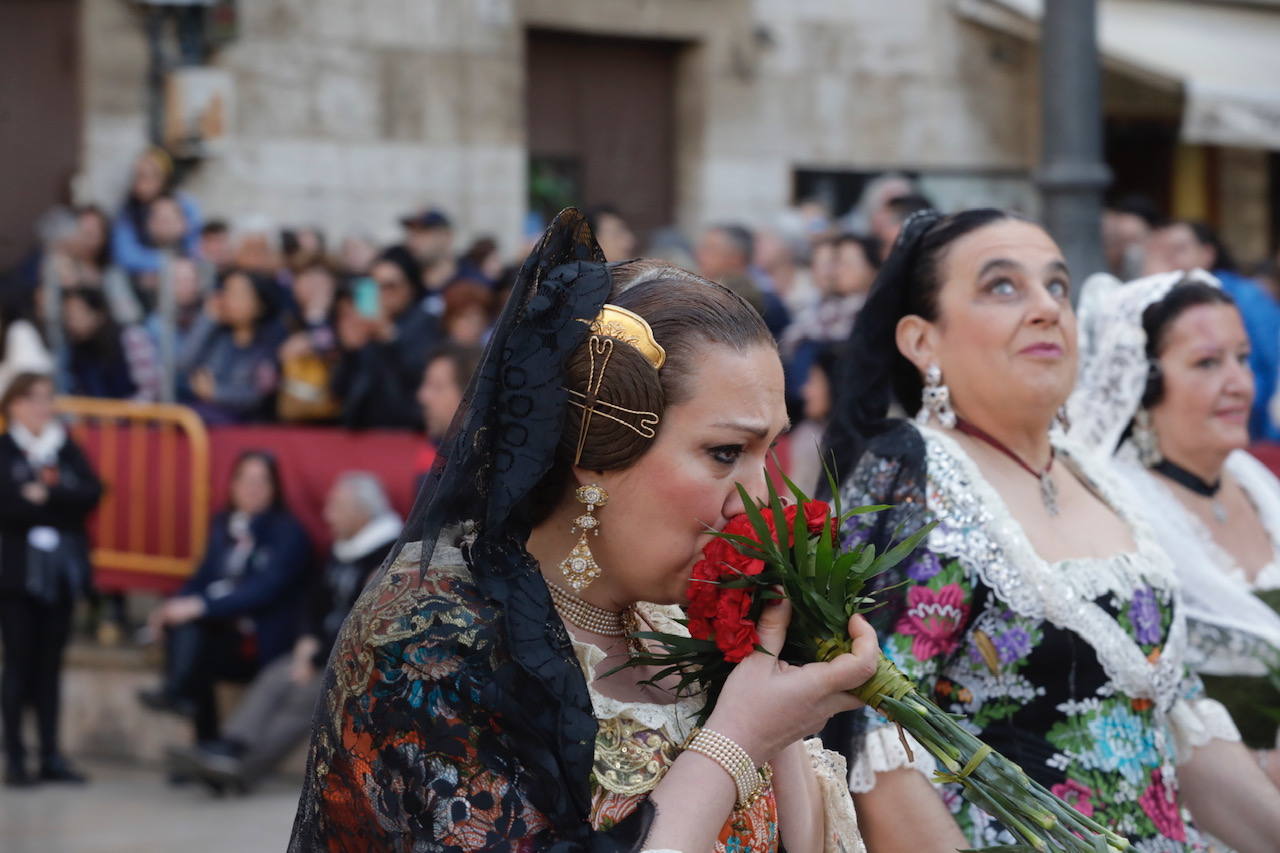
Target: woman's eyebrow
{"x":750,"y":428}
{"x":998,"y":264}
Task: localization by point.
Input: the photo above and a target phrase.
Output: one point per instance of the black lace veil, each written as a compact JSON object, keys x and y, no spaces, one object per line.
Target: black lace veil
{"x":503,"y":438}
{"x":501,"y":444}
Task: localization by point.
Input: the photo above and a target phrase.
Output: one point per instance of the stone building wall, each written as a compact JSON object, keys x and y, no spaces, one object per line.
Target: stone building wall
{"x":349,"y":112}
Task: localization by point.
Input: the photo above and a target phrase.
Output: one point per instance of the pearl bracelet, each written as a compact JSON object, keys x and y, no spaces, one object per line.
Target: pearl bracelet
{"x":733,"y":759}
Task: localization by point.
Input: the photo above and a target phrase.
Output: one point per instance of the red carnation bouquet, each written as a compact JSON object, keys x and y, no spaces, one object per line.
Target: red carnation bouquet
{"x":774,"y":550}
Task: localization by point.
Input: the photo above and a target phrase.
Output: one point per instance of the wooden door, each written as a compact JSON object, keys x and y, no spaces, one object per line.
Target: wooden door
{"x":600,"y":113}
{"x":39,"y":115}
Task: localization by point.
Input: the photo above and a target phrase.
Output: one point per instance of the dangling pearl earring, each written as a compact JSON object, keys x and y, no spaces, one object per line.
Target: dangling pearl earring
{"x":580,"y":568}
{"x":1063,"y":419}
{"x":935,"y":400}
{"x":1145,"y":439}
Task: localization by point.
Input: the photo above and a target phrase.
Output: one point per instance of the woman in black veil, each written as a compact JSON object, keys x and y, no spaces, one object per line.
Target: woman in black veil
{"x":471,"y":700}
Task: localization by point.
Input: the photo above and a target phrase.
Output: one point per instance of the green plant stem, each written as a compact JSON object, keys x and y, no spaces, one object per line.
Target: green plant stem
{"x":997,"y":785}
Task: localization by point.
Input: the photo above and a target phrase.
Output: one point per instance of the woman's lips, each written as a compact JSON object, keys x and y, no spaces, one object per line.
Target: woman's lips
{"x":1235,"y":416}
{"x":1042,"y":351}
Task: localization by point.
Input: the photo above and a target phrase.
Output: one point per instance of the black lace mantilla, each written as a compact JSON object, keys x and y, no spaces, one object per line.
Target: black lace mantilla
{"x":502,"y":444}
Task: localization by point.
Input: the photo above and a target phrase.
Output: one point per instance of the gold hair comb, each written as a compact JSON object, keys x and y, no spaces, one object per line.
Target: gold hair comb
{"x":614,"y":321}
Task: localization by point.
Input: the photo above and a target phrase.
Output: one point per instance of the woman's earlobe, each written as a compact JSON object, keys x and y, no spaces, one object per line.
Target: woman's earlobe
{"x":914,"y":342}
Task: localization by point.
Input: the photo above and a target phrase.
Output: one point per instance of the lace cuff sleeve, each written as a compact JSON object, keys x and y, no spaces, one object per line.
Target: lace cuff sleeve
{"x":881,"y":752}
{"x":1195,"y":722}
{"x":842,"y":835}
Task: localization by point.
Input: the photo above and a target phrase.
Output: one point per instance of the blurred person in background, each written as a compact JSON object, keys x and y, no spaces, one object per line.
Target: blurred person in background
{"x":101,"y":359}
{"x":22,"y":349}
{"x":724,"y":254}
{"x":481,"y":262}
{"x":469,"y":311}
{"x":215,"y":245}
{"x":239,"y":612}
{"x":887,"y":223}
{"x":82,"y":257}
{"x":616,"y":239}
{"x":428,"y":241}
{"x":1267,"y":275}
{"x":444,"y":382}
{"x":1126,"y":225}
{"x":308,"y":356}
{"x":275,"y":715}
{"x":301,"y":247}
{"x":1188,"y":245}
{"x":230,"y":354}
{"x":47,"y":488}
{"x":256,"y":246}
{"x":866,"y":214}
{"x":355,"y":255}
{"x":131,"y":246}
{"x":188,"y":301}
{"x":780,"y":254}
{"x":853,"y":261}
{"x":188,"y":282}
{"x":384,"y":334}
{"x":167,"y":235}
{"x":806,"y":436}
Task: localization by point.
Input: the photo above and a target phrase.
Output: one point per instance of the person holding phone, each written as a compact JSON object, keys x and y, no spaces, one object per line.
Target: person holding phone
{"x":384,"y":333}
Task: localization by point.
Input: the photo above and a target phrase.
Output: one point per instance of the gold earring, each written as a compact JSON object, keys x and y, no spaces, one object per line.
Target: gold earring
{"x":580,"y":568}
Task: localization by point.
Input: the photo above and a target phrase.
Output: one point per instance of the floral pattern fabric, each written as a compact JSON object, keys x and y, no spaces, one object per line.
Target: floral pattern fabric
{"x":1033,"y":690}
{"x":408,"y":755}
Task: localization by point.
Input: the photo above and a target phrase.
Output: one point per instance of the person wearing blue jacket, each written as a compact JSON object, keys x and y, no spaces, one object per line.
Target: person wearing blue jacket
{"x":131,"y":246}
{"x":240,"y":610}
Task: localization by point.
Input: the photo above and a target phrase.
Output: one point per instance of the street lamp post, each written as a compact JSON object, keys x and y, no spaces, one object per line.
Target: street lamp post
{"x":1072,"y":172}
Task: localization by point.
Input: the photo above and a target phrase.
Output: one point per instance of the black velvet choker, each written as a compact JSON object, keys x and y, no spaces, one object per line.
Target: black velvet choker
{"x":1183,"y":477}
{"x":1186,"y":479}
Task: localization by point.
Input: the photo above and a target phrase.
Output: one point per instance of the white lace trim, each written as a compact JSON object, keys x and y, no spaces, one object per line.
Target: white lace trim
{"x":881,"y":752}
{"x":1113,"y":353}
{"x":842,"y":834}
{"x":1263,"y":491}
{"x":1195,"y":722}
{"x":985,"y":535}
{"x":1230,"y":627}
{"x":675,"y":719}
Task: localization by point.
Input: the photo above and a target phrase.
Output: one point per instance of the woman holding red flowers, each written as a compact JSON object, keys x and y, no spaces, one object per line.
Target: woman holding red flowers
{"x":474,"y":698}
{"x":1040,"y":607}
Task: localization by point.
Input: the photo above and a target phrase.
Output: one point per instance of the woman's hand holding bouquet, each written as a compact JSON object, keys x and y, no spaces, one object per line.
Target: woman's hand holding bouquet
{"x":775,"y":603}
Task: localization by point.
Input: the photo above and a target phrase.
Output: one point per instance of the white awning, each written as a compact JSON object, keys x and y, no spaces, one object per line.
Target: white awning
{"x":1226,"y":58}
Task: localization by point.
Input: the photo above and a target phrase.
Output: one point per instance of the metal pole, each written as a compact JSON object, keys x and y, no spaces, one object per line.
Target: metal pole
{"x":166,"y":307}
{"x":1072,"y":173}
{"x":51,"y":309}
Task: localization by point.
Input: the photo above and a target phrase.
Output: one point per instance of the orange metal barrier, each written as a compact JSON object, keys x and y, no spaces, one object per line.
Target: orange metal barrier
{"x":154,"y":461}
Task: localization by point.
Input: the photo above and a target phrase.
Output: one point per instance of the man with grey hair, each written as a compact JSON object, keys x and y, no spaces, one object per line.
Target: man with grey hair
{"x":724,"y":254}
{"x":275,"y":716}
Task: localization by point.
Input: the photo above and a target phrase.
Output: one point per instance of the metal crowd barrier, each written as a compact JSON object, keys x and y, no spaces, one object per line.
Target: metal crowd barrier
{"x":154,"y":462}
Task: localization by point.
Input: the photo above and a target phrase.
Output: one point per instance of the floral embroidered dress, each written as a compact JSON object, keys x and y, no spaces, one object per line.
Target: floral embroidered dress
{"x":1233,"y":622}
{"x":1073,"y":669}
{"x":409,"y":752}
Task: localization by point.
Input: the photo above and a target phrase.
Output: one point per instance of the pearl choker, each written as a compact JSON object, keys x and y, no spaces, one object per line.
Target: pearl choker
{"x":585,"y":615}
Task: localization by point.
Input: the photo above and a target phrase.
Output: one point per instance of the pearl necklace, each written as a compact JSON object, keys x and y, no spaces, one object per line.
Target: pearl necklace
{"x":585,"y":615}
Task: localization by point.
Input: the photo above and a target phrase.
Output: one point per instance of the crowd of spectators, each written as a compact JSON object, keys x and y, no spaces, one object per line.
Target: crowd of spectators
{"x":248,"y":323}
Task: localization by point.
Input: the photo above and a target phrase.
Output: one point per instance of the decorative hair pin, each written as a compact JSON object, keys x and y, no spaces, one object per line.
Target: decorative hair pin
{"x":614,"y":321}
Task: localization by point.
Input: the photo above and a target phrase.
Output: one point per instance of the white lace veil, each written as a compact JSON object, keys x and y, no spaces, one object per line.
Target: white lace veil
{"x":1113,"y":354}
{"x":1113,"y":375}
